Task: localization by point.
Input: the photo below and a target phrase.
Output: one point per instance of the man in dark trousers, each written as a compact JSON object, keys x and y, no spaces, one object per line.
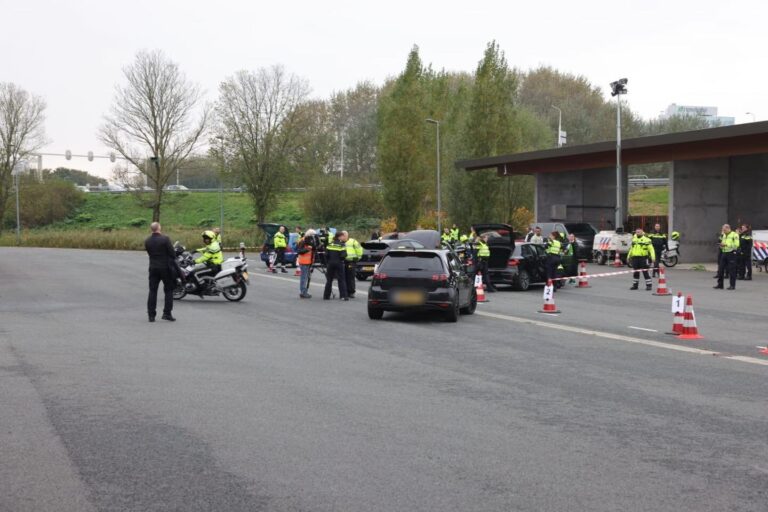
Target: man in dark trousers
{"x":162,"y":265}
{"x":335,"y":255}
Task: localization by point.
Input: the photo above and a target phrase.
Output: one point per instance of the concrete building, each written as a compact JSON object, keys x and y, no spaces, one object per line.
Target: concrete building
{"x":708,"y":113}
{"x":719,"y":175}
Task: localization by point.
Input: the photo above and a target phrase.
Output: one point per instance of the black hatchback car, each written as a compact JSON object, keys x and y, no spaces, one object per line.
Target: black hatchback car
{"x":520,"y":267}
{"x":421,"y":279}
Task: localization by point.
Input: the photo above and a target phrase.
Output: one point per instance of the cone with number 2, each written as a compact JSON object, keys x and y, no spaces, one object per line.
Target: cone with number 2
{"x":549,"y":300}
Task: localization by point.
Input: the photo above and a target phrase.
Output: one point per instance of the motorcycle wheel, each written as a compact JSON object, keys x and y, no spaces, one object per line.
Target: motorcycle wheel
{"x":669,"y":261}
{"x":234,"y":293}
{"x":179,"y":293}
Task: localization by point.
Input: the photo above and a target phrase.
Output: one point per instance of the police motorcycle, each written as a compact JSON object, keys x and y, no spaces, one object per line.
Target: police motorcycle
{"x":198,"y":279}
{"x":671,"y":255}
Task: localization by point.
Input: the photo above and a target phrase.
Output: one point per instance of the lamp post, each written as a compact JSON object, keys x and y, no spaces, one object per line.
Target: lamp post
{"x":221,"y":187}
{"x":559,"y":126}
{"x":751,"y":114}
{"x":617,"y":89}
{"x":439,"y":202}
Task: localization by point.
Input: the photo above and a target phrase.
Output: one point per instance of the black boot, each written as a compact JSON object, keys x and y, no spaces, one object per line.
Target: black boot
{"x":634,"y":287}
{"x":168,"y":317}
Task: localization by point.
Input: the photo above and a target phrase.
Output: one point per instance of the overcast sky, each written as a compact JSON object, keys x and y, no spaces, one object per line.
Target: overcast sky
{"x":687,"y":52}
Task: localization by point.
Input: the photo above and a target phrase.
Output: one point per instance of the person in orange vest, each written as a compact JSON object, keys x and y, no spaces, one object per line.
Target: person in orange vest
{"x":306,"y":248}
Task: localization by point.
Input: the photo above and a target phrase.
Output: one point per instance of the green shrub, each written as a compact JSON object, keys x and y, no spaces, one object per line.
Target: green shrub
{"x":137,"y":222}
{"x":206,"y":222}
{"x":84,"y":217}
{"x":332,"y":201}
{"x":43,"y":203}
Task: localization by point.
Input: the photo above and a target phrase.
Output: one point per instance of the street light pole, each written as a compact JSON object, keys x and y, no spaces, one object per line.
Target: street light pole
{"x":18,"y":213}
{"x":751,"y":114}
{"x":559,"y":126}
{"x":618,"y":88}
{"x":439,"y":202}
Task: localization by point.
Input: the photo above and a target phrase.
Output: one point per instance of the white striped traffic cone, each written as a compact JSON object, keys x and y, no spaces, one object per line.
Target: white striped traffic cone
{"x":677,"y":318}
{"x":617,"y":260}
{"x":690,"y":331}
{"x":549,"y":300}
{"x":661,"y":288}
{"x":583,"y":280}
{"x":479,"y":288}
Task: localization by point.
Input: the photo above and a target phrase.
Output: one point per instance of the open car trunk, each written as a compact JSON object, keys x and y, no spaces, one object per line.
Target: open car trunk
{"x":499,"y":256}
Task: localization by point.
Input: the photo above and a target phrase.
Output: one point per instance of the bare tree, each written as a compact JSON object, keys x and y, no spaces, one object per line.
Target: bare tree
{"x":21,"y":133}
{"x":260,"y":128}
{"x":151,"y":122}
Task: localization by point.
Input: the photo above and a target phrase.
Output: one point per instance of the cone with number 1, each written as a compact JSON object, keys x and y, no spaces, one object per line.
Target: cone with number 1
{"x":549,"y":300}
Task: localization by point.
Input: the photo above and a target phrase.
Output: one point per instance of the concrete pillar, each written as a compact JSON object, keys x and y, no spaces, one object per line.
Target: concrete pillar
{"x":699,"y":206}
{"x":580,"y":196}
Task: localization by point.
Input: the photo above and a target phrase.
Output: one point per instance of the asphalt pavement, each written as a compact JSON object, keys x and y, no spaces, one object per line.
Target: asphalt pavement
{"x":282,"y":404}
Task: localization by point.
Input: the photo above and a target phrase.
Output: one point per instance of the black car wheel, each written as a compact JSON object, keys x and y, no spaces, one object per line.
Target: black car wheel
{"x":452,"y":315}
{"x":472,"y":306}
{"x":523,"y":280}
{"x":375,"y":313}
{"x":361,"y":277}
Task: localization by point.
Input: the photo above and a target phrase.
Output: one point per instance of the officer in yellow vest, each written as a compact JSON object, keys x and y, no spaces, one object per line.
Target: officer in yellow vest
{"x":640,"y":253}
{"x":211,"y":254}
{"x":729,"y":247}
{"x":354,"y":253}
{"x":659,"y":241}
{"x":483,"y":256}
{"x":280,"y":242}
{"x":336,"y":253}
{"x":553,"y":250}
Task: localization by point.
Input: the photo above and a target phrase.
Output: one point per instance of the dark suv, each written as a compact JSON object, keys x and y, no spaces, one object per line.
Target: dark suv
{"x":583,"y":231}
{"x":375,"y":250}
{"x":421,"y":279}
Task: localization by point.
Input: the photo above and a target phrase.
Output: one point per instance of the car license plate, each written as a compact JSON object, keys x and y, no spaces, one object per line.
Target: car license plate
{"x":367,"y":269}
{"x":409,"y":298}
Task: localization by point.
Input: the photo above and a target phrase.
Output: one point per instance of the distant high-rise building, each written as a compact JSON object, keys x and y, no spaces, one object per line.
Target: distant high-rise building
{"x":708,"y":113}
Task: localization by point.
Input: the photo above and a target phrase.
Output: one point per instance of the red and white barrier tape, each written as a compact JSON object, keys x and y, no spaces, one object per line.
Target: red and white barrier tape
{"x":605,"y":274}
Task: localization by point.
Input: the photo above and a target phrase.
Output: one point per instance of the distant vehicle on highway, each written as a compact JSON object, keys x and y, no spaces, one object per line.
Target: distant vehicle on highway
{"x":421,"y":279}
{"x":375,"y":250}
{"x":82,"y":188}
{"x":176,"y":188}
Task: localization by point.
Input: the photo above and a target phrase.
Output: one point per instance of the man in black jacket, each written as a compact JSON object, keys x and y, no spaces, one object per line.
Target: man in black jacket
{"x":162,"y":264}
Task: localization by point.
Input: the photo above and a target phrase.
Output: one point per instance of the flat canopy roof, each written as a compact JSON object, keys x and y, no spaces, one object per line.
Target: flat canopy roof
{"x":724,"y":141}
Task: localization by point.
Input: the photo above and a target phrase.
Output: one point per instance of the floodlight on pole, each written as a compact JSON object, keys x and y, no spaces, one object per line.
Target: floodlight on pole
{"x":617,"y":89}
{"x":439,"y":202}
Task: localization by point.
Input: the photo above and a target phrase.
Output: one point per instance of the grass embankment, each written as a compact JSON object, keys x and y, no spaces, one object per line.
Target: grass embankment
{"x":649,"y":201}
{"x":118,"y":221}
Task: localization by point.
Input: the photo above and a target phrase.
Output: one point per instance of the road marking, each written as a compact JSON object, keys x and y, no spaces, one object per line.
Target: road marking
{"x":642,"y":328}
{"x":589,"y":332}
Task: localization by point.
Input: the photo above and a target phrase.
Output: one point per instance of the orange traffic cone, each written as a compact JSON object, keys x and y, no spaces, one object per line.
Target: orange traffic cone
{"x":479,"y":288}
{"x":617,"y":260}
{"x":677,"y":319}
{"x":583,"y":281}
{"x":661,"y":288}
{"x":690,"y":331}
{"x":763,"y":350}
{"x":549,"y":300}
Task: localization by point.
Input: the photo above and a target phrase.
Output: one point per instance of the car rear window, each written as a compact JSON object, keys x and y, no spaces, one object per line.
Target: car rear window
{"x":580,"y":229}
{"x":414,"y":262}
{"x":375,"y":246}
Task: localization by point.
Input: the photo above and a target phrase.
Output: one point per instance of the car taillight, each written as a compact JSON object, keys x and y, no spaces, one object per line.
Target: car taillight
{"x":440,"y":277}
{"x":512,"y":263}
{"x":380,"y":276}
